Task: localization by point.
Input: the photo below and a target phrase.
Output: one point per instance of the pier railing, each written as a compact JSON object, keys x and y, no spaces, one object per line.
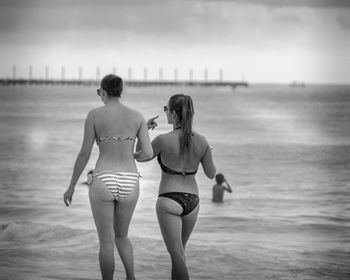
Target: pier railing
{"x":135,"y":83}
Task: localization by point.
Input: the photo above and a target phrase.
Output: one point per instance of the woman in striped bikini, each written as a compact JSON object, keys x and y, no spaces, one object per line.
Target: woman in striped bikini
{"x":114,"y":189}
{"x":179,"y":153}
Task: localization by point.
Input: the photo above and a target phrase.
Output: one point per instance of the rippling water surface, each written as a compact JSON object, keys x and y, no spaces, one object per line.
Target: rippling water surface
{"x":285,"y":152}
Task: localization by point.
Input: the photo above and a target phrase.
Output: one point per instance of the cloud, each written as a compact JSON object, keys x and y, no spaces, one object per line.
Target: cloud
{"x":180,"y":22}
{"x":85,"y":15}
{"x":21,"y":20}
{"x":343,"y":20}
{"x":237,"y":33}
{"x":292,"y":3}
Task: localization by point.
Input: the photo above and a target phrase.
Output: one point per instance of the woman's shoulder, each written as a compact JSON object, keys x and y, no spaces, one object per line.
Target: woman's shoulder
{"x":93,"y":113}
{"x":166,"y":139}
{"x":199,"y":137}
{"x":200,"y":143}
{"x":133,"y":112}
{"x":127,"y":112}
{"x":96,"y":110}
{"x":163,"y":136}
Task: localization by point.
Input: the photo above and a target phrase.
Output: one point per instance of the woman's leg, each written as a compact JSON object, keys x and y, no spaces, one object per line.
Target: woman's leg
{"x":170,"y":222}
{"x":123,"y":212}
{"x":102,"y":206}
{"x":188,"y":223}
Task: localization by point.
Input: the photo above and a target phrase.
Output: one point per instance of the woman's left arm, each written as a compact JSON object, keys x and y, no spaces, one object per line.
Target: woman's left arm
{"x":82,"y":158}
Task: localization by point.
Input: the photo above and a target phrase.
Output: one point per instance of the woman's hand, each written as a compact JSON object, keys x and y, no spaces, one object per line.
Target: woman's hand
{"x":68,"y":195}
{"x":151,"y":123}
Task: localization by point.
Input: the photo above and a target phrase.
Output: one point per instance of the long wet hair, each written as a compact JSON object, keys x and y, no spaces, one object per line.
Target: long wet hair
{"x":182,"y":105}
{"x":113,"y":85}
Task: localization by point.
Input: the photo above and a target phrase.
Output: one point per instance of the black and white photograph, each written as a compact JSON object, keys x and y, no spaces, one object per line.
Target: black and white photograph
{"x":175,"y":139}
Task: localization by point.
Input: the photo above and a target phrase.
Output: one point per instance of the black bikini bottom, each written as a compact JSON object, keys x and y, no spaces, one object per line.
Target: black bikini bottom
{"x":188,"y":201}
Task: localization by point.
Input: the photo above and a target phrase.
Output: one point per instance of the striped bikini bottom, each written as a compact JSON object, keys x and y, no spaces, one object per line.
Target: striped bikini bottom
{"x":120,"y":184}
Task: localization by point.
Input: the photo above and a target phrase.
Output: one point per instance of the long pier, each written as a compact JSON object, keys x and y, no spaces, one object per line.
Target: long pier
{"x":135,"y":83}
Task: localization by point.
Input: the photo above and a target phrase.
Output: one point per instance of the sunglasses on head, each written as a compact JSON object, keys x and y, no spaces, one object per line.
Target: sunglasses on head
{"x":99,"y":91}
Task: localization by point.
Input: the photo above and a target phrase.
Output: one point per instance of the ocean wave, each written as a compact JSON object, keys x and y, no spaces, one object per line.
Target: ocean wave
{"x":63,"y":236}
{"x":30,"y":232}
{"x":303,"y":224}
{"x":342,"y":220}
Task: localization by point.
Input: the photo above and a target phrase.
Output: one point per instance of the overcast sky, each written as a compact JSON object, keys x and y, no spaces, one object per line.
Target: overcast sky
{"x":262,"y":40}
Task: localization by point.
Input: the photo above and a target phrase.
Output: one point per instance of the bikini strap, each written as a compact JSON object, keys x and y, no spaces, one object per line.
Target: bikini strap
{"x":125,"y":173}
{"x":171,"y":171}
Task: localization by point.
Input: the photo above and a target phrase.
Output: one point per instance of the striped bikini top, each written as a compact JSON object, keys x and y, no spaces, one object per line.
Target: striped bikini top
{"x":113,"y":138}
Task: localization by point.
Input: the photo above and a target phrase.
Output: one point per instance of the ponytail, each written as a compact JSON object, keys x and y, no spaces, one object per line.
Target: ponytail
{"x":183,"y":106}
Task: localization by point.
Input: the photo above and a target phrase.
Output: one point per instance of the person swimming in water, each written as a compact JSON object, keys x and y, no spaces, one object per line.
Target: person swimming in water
{"x":88,"y":177}
{"x":219,"y":188}
{"x":179,"y":153}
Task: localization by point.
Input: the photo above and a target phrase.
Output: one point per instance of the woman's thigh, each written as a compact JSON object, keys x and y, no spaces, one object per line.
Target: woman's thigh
{"x":188,"y":223}
{"x":124,"y":210}
{"x":170,"y":222}
{"x":102,"y":207}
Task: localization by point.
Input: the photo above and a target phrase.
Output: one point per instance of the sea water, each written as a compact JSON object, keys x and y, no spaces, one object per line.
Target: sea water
{"x":285,"y":152}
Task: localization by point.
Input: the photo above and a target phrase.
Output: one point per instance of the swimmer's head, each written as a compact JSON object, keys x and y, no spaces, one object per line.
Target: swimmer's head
{"x":219,"y":178}
{"x":113,"y":85}
{"x":89,"y":177}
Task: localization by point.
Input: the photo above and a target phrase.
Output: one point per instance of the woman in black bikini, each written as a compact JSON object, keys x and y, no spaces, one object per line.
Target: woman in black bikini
{"x":179,"y":153}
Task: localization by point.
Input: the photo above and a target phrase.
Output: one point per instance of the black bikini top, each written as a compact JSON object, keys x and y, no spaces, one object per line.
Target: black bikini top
{"x":168,"y":170}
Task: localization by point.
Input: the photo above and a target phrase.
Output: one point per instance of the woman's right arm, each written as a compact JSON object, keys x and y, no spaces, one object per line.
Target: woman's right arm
{"x":207,"y":162}
{"x":83,"y":156}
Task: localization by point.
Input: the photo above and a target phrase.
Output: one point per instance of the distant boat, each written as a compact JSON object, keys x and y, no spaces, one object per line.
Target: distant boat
{"x":297,"y":84}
